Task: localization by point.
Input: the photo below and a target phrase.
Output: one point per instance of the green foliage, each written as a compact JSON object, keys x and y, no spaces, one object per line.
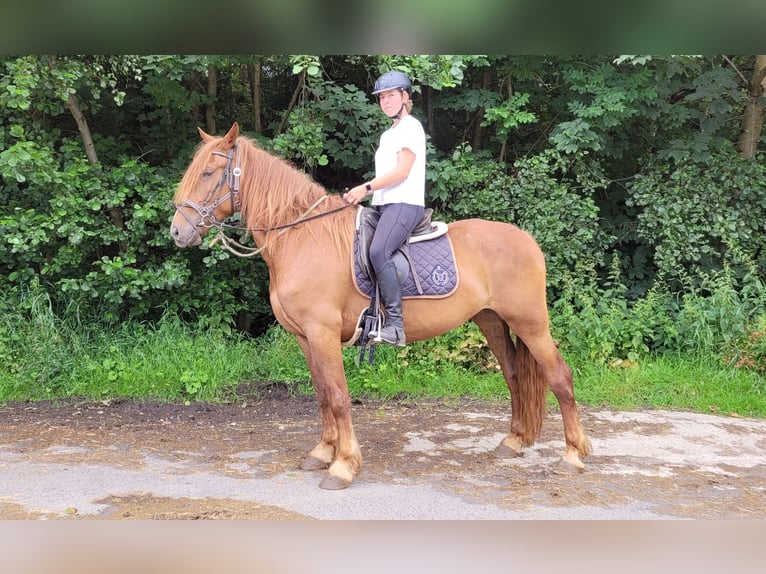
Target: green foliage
{"x":44,"y":82}
{"x":721,"y":312}
{"x":700,"y":217}
{"x":351,"y":124}
{"x":509,"y":115}
{"x":333,"y":125}
{"x":604,"y":96}
{"x":437,"y":71}
{"x":306,"y":62}
{"x":602,"y":326}
{"x":748,"y":351}
{"x":468,"y":184}
{"x":462,"y":348}
{"x":302,"y":141}
{"x":48,"y":355}
{"x":99,"y":239}
{"x":561,"y":214}
{"x":713,"y":96}
{"x":552,"y":139}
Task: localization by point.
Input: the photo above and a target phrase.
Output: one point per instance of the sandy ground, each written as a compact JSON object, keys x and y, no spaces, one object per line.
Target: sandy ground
{"x":123,"y":460}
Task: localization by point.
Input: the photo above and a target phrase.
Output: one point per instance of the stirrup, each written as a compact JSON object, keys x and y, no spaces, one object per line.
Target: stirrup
{"x":389,"y":335}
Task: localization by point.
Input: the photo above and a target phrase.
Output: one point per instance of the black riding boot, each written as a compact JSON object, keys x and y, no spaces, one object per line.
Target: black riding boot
{"x":391,"y":297}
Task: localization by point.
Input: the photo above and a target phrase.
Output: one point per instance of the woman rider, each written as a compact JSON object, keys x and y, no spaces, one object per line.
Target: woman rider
{"x":398,"y":193}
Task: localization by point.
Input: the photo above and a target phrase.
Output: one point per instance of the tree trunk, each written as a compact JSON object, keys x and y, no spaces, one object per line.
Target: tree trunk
{"x":197,"y":88}
{"x":752,"y":121}
{"x":428,"y":104}
{"x":478,"y":129}
{"x":504,"y":146}
{"x":82,"y":125}
{"x":255,"y":86}
{"x":293,"y":100}
{"x":212,"y":92}
{"x":115,"y":213}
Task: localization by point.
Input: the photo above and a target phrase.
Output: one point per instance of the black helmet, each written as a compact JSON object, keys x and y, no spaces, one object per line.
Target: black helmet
{"x":392,"y":80}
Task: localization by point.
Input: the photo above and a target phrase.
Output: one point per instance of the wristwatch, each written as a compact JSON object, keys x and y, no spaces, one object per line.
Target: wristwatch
{"x":368,"y":187}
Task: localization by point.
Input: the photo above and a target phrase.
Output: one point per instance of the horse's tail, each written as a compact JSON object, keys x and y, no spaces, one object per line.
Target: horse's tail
{"x":532,"y":393}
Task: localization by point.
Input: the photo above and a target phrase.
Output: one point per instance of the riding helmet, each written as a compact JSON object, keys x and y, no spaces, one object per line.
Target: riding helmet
{"x":392,"y":80}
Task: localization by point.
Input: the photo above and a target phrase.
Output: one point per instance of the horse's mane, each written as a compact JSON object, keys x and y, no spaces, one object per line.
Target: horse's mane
{"x":273,"y":193}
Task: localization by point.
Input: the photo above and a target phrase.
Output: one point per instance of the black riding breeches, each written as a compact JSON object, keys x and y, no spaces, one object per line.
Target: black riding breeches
{"x":397,"y":220}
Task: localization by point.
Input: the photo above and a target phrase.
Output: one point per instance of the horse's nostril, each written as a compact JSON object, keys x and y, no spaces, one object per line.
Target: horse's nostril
{"x":174,"y":231}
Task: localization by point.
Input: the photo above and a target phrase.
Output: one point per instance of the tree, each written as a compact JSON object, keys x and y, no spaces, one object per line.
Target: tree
{"x":591,"y":152}
{"x":752,"y":119}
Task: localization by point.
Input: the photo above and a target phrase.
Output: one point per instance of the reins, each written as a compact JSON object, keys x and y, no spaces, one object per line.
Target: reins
{"x":285,"y":226}
{"x":236,"y":248}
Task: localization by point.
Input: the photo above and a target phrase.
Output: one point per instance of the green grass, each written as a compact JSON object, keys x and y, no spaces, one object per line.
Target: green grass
{"x":43,"y":356}
{"x":700,"y":383}
{"x":697,"y":383}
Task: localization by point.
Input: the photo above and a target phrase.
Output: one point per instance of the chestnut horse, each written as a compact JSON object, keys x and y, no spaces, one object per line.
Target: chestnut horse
{"x":306,"y":237}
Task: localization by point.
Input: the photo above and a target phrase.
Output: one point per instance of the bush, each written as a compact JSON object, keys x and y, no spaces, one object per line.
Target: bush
{"x":563,"y":218}
{"x":602,"y":325}
{"x":702,"y":216}
{"x":749,"y":350}
{"x":98,"y":238}
{"x":45,"y":354}
{"x":464,"y":348}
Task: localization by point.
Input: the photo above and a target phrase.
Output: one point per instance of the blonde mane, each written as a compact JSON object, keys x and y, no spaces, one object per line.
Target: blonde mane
{"x":274,"y":193}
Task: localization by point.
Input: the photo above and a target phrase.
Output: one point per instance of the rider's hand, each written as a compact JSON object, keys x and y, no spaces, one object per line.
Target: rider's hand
{"x":355,"y":195}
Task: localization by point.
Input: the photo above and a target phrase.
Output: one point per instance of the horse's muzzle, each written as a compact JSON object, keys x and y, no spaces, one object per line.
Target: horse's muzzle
{"x":188,"y":236}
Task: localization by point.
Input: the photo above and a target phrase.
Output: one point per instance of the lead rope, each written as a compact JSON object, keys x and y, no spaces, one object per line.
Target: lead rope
{"x":236,"y":248}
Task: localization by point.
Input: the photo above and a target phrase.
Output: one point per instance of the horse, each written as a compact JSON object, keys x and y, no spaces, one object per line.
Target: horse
{"x":305,"y":237}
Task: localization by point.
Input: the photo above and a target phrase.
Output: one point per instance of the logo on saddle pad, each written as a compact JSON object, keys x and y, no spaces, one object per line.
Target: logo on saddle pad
{"x":427,"y":266}
{"x":440,"y":276}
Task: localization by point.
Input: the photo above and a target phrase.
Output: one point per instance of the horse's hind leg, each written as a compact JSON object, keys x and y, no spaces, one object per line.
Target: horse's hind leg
{"x":500,"y":343}
{"x":542,"y":350}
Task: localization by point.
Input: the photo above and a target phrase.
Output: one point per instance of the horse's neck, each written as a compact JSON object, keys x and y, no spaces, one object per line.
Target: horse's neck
{"x":311,"y":247}
{"x":286,"y":185}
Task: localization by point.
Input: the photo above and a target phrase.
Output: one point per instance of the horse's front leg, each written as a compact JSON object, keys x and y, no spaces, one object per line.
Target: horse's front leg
{"x":338,"y":448}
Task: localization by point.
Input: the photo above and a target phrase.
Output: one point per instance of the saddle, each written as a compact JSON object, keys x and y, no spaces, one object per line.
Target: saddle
{"x":366,"y":222}
{"x":425,"y":265}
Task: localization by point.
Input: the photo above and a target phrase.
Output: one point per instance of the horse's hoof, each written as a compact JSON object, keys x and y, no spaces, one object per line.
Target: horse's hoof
{"x":571,"y":462}
{"x":504,"y":451}
{"x":332,"y":482}
{"x":313,"y":463}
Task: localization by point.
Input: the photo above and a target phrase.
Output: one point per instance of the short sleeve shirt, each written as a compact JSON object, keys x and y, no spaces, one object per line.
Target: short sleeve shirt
{"x":409,"y":134}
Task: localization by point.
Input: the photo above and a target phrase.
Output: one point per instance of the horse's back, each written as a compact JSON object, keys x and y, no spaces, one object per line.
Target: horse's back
{"x":496,"y":243}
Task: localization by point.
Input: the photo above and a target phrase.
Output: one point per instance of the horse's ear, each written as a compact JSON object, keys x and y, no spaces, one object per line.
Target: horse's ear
{"x":205,"y":137}
{"x":231,"y":137}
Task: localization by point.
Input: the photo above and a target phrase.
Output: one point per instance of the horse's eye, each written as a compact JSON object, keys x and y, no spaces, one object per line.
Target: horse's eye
{"x":207,"y":172}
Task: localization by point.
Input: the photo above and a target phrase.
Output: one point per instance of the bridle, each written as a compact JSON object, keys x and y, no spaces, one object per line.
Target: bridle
{"x":206,"y":210}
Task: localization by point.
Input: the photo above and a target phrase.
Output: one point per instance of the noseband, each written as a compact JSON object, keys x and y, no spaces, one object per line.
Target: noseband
{"x":206,"y":210}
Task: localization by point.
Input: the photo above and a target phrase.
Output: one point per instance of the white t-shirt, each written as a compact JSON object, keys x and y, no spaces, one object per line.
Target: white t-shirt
{"x":408,"y":133}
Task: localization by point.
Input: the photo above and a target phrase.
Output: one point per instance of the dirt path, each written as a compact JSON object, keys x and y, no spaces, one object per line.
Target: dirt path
{"x":422,"y":460}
